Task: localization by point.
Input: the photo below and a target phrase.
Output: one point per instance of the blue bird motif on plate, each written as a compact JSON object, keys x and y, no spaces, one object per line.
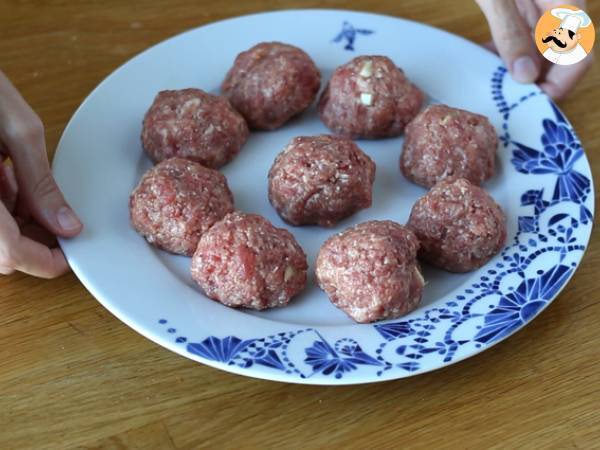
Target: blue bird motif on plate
{"x":349,"y":33}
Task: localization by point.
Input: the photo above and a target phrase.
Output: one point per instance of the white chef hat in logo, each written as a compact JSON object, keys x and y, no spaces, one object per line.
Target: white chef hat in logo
{"x":570,"y":19}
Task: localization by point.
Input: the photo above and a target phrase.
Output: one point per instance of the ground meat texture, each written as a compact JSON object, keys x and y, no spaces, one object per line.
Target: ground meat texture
{"x":271,"y":83}
{"x":195,"y":125}
{"x":369,"y":97}
{"x":459,"y":225}
{"x":244,"y":261}
{"x":176,"y":202}
{"x":370,"y":271}
{"x":320,"y":180}
{"x":444,"y":142}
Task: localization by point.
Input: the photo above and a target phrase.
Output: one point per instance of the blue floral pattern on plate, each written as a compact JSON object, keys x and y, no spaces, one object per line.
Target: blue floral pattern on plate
{"x":509,"y":294}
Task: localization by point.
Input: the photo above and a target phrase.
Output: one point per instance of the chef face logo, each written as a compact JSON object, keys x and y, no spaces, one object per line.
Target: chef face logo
{"x":561,"y":40}
{"x":564,"y":35}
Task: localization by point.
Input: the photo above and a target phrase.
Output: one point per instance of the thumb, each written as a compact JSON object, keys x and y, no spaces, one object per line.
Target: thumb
{"x":48,"y":206}
{"x":512,"y":38}
{"x":37,"y":187}
{"x":22,"y":137}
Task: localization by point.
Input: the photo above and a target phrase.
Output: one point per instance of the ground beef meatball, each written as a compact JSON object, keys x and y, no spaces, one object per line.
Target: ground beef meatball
{"x":271,"y":83}
{"x":244,"y":261}
{"x":370,"y":271}
{"x":443,"y":142}
{"x":176,"y":202}
{"x":320,"y":180}
{"x":195,"y":125}
{"x":369,"y":97}
{"x":459,"y":225}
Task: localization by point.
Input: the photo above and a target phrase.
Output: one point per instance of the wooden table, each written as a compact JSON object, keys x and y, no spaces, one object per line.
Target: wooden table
{"x":73,"y":375}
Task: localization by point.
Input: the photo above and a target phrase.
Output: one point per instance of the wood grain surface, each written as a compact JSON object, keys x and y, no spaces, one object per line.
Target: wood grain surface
{"x":72,"y":375}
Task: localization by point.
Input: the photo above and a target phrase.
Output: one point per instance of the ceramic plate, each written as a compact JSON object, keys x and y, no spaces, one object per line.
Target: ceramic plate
{"x":543,"y":183}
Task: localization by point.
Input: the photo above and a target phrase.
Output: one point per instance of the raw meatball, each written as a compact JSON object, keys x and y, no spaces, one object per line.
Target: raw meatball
{"x":195,"y":125}
{"x":443,"y":142}
{"x":370,"y":271}
{"x":271,"y":83}
{"x":176,"y":201}
{"x":320,"y":180}
{"x":244,"y":261}
{"x":459,"y":225}
{"x":369,"y":97}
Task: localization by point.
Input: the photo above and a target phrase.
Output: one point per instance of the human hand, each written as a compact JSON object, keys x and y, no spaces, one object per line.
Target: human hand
{"x":32,"y":208}
{"x":512,"y":24}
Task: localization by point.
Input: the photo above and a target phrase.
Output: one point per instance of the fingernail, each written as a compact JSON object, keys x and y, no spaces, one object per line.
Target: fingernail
{"x":67,"y":219}
{"x":524,"y":70}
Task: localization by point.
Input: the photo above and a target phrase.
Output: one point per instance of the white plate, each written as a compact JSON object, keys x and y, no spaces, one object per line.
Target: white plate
{"x":543,"y":183}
